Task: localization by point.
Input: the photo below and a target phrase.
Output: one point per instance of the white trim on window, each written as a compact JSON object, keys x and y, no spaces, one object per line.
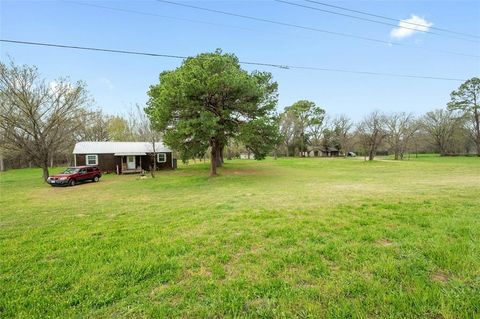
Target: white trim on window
{"x":89,"y":158}
{"x":163,"y":159}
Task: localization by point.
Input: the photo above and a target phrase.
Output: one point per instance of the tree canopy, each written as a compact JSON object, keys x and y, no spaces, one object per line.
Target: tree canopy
{"x":209,"y":100}
{"x":467,"y":99}
{"x":36,"y":117}
{"x":305,"y":120}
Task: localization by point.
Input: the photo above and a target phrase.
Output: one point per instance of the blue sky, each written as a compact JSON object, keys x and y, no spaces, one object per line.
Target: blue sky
{"x":117,"y":82}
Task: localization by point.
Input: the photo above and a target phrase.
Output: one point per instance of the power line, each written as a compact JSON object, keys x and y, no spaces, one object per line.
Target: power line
{"x":391,"y":19}
{"x":156,"y":15}
{"x":374,"y":21}
{"x":280,"y":66}
{"x":315,"y":29}
{"x":203,"y":22}
{"x":151,"y":14}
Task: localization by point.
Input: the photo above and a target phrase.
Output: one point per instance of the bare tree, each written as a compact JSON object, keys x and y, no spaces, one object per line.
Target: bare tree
{"x":143,"y":130}
{"x":442,"y":125}
{"x":342,"y":126}
{"x":371,"y":132}
{"x":94,"y":126}
{"x":288,"y":130}
{"x":400,"y":129}
{"x":119,"y":129}
{"x":36,"y":116}
{"x":318,"y":128}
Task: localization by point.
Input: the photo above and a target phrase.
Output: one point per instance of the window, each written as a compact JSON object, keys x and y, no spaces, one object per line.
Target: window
{"x":161,"y":157}
{"x":92,"y":159}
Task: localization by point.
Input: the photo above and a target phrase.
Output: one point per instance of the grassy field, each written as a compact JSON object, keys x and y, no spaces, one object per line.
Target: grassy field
{"x":305,"y":238}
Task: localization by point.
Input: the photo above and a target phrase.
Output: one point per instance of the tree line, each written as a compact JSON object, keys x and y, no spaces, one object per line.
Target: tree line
{"x":209,"y":107}
{"x":306,"y":130}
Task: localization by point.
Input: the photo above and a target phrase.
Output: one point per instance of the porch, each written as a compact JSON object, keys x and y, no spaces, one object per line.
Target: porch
{"x":131,"y":163}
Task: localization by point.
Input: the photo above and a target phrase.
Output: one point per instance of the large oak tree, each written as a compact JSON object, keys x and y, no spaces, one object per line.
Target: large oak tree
{"x":210,"y":100}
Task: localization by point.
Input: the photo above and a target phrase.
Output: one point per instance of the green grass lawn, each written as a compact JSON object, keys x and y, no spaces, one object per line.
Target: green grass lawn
{"x":305,"y":238}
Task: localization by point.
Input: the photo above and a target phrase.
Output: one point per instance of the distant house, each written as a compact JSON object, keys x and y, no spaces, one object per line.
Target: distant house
{"x":123,"y":157}
{"x":331,"y":151}
{"x":247,"y":156}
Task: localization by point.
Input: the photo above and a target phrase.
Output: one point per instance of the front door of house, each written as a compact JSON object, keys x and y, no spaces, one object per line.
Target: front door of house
{"x":130,"y":162}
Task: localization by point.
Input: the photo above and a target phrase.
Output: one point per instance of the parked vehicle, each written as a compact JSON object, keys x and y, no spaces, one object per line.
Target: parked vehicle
{"x":352,"y":154}
{"x":74,"y":175}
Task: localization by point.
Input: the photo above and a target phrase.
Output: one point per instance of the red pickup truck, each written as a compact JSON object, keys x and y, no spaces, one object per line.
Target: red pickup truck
{"x":74,"y":175}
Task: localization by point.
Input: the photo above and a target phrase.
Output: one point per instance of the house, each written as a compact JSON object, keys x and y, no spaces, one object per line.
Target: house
{"x":331,"y":151}
{"x":123,"y":157}
{"x":247,"y":156}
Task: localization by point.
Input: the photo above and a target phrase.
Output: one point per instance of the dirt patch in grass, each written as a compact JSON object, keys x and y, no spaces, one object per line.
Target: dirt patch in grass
{"x":158,"y":290}
{"x":255,"y":304}
{"x":384,"y":242}
{"x":242,"y":172}
{"x":439,"y":276}
{"x":202,"y":271}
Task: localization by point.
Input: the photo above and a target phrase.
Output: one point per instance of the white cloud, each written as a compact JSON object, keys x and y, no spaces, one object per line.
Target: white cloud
{"x":107,"y":83}
{"x":406,"y":28}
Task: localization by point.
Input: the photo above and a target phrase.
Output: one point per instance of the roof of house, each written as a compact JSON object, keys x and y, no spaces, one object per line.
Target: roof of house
{"x":118,"y":148}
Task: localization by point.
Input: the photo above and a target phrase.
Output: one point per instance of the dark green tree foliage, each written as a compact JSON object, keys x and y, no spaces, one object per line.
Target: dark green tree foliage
{"x":260,"y":136}
{"x":467,"y":99}
{"x":209,"y":100}
{"x":309,"y":119}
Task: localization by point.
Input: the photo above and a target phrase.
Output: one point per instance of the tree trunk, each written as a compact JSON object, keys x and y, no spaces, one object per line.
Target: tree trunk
{"x":213,"y":164}
{"x":219,"y":156}
{"x":371,"y":154}
{"x":213,"y":157}
{"x":2,"y":165}
{"x":153,"y":166}
{"x":45,"y":171}
{"x":477,"y":130}
{"x":152,"y":171}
